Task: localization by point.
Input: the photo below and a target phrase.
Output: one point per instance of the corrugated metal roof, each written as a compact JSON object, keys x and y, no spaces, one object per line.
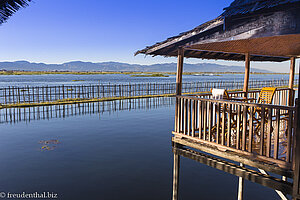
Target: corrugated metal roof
{"x":241,"y":7}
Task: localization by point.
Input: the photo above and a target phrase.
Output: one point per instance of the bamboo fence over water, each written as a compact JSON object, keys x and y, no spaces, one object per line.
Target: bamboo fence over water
{"x":39,"y":94}
{"x":28,"y":114}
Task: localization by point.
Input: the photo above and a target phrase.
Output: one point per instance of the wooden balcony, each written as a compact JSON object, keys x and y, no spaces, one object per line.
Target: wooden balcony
{"x":259,"y":135}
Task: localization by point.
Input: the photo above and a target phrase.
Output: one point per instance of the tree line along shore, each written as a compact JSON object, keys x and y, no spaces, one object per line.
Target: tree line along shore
{"x":134,"y":74}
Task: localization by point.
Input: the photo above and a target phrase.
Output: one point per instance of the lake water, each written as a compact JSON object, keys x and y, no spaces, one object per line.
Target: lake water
{"x":63,"y":79}
{"x":111,"y":150}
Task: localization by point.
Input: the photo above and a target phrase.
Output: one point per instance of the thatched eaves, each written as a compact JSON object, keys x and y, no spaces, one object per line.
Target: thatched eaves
{"x":9,"y":7}
{"x":183,"y":36}
{"x":263,"y":35}
{"x":246,"y":7}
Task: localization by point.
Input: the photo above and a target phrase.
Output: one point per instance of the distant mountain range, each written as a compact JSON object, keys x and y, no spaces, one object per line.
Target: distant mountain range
{"x":116,"y":66}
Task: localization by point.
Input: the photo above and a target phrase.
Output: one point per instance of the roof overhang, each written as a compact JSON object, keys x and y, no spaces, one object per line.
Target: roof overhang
{"x":274,"y":46}
{"x":272,"y":36}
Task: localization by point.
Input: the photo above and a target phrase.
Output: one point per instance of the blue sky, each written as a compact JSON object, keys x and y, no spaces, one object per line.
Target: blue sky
{"x":57,"y":31}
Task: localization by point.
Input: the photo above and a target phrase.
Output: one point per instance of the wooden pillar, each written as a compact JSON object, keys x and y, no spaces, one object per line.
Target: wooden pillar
{"x":291,"y":82}
{"x":241,"y":186}
{"x":296,"y":181}
{"x":179,"y":71}
{"x":178,"y":83}
{"x":247,"y":71}
{"x":176,"y":166}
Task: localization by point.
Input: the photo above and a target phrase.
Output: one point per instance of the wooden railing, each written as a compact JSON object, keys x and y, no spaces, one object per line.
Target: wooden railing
{"x":281,"y":96}
{"x":262,"y":131}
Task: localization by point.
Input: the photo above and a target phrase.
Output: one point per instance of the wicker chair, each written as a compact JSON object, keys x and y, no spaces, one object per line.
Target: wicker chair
{"x":265,"y":97}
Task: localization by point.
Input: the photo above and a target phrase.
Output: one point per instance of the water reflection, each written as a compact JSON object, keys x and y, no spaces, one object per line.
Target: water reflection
{"x":15,"y":115}
{"x":283,"y":187}
{"x":99,"y":154}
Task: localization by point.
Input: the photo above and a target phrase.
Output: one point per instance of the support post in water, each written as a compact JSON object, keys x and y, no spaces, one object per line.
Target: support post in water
{"x":241,"y":186}
{"x":176,"y":166}
{"x":296,"y":181}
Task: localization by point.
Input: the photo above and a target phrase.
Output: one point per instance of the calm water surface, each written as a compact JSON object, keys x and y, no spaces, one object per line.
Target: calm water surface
{"x":62,"y":79}
{"x":106,"y":151}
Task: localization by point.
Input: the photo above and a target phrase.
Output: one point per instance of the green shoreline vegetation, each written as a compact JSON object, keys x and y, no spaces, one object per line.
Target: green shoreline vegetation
{"x":149,"y":75}
{"x":145,"y":74}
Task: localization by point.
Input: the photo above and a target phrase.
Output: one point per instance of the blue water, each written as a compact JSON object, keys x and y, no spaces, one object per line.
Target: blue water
{"x":109,"y":151}
{"x":63,"y":79}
